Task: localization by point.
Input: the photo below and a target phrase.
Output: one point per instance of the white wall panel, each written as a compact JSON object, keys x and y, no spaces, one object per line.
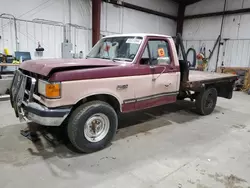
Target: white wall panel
{"x":30,"y":9}
{"x":205,"y":6}
{"x":50,"y":36}
{"x":165,"y":6}
{"x":202,"y":29}
{"x":23,"y":35}
{"x":236,"y":28}
{"x":136,"y":21}
{"x":244,"y":27}
{"x":233,"y":5}
{"x":56,"y":10}
{"x":197,"y":45}
{"x":7,"y":34}
{"x":104,"y":20}
{"x":82,"y":41}
{"x":29,"y":34}
{"x":81,"y":12}
{"x":209,"y":6}
{"x":167,"y":26}
{"x":123,"y":20}
{"x":113,"y":18}
{"x":237,"y":53}
{"x":231,"y":26}
{"x":246,"y":4}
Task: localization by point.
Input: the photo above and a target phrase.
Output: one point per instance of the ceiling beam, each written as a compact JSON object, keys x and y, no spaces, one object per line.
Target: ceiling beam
{"x":228,"y":12}
{"x":139,"y":8}
{"x":187,"y":2}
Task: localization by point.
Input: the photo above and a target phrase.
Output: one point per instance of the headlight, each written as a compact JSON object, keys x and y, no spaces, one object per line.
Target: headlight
{"x":49,"y":90}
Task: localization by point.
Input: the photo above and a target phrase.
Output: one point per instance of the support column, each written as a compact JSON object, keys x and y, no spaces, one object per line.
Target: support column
{"x":96,"y":20}
{"x":180,"y":18}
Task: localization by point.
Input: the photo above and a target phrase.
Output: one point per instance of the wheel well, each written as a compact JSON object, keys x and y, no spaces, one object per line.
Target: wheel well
{"x":224,"y":89}
{"x":111,"y":100}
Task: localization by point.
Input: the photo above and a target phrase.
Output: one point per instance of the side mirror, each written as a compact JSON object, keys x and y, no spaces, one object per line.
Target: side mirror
{"x":163,"y":61}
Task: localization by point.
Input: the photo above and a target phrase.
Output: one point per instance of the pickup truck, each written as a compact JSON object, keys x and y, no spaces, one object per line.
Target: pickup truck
{"x":122,"y":73}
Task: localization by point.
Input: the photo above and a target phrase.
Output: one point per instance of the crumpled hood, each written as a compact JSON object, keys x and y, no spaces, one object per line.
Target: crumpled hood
{"x":45,"y":66}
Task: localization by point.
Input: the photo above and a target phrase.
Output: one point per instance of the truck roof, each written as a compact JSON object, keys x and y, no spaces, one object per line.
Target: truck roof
{"x":137,"y":35}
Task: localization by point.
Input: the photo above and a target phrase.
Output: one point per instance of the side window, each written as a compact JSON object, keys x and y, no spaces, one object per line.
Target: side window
{"x":159,"y":52}
{"x":145,"y":53}
{"x":145,"y":57}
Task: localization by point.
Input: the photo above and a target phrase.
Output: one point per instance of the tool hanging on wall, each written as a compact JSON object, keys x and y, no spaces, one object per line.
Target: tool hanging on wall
{"x":39,"y":50}
{"x":203,"y":60}
{"x":212,"y":52}
{"x":193,"y":64}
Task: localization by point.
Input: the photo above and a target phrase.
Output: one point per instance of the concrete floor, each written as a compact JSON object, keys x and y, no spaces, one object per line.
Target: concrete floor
{"x":164,"y":147}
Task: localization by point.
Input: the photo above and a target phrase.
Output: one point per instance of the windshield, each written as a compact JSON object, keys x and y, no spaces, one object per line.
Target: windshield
{"x":116,"y":48}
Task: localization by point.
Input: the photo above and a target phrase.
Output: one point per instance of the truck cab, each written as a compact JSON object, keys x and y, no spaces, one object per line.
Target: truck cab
{"x":121,"y":74}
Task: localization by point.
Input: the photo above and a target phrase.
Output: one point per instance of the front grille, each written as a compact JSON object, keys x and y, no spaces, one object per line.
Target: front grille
{"x":22,"y":88}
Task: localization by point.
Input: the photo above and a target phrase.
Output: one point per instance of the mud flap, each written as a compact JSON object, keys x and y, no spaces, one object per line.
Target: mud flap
{"x":225,"y":90}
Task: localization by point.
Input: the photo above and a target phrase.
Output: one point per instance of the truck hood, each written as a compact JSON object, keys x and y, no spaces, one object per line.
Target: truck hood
{"x":45,"y":66}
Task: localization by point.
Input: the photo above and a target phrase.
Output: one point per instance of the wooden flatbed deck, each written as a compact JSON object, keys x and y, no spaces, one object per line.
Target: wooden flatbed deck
{"x":198,"y":79}
{"x":198,"y":76}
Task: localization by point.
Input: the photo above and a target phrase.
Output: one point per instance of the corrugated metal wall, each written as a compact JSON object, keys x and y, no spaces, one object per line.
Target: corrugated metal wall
{"x":50,"y":37}
{"x":113,"y":20}
{"x":237,"y":53}
{"x":122,"y":20}
{"x":236,"y":29}
{"x":197,"y":45}
{"x":30,"y":32}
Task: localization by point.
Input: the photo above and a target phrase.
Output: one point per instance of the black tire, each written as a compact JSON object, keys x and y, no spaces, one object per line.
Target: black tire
{"x":206,"y":101}
{"x":77,"y":121}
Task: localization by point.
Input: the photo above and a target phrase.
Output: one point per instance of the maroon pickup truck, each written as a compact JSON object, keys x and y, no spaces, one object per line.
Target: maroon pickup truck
{"x":122,"y":73}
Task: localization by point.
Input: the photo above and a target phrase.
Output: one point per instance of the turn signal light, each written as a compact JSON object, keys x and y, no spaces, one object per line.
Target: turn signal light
{"x":49,"y":90}
{"x":53,"y":90}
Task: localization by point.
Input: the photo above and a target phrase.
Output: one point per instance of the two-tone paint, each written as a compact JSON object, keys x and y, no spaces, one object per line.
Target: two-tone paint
{"x":132,"y":84}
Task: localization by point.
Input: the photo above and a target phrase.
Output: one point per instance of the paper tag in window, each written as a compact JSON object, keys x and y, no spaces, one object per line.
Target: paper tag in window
{"x":161,"y":52}
{"x":134,"y":41}
{"x":106,"y":48}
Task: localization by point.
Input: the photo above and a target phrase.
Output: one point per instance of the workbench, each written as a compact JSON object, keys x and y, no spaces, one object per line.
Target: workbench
{"x":2,"y":65}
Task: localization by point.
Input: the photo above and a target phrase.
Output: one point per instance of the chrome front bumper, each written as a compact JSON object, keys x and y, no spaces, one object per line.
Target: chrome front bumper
{"x":45,"y":116}
{"x":22,"y":100}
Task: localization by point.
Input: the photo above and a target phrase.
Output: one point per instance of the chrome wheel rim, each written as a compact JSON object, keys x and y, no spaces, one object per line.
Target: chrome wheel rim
{"x":96,"y":127}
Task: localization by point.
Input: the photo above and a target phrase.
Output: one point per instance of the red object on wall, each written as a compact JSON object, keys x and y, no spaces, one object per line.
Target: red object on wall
{"x":96,"y":20}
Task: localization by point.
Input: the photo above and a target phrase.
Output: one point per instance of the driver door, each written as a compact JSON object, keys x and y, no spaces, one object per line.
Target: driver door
{"x":160,"y":85}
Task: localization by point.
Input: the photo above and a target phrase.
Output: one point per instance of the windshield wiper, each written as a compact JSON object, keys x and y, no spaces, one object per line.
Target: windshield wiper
{"x":105,"y":58}
{"x":121,"y":59}
{"x":113,"y":59}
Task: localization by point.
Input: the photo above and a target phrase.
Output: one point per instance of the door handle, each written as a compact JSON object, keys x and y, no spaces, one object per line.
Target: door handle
{"x":171,"y":67}
{"x":164,"y":68}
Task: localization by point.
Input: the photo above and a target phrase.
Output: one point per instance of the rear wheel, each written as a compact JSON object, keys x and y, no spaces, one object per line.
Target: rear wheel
{"x":206,"y":101}
{"x":92,"y":126}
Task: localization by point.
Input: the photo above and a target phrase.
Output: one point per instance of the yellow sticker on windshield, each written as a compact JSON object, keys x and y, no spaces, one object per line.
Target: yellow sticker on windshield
{"x":161,"y":52}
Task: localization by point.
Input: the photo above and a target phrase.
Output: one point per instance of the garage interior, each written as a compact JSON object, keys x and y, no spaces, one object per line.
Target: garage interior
{"x":166,"y":146}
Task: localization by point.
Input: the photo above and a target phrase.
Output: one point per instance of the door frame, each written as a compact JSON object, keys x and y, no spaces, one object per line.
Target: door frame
{"x":156,"y":99}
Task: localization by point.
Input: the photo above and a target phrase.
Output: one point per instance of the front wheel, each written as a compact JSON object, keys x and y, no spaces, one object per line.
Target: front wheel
{"x":92,"y":126}
{"x":206,"y":101}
